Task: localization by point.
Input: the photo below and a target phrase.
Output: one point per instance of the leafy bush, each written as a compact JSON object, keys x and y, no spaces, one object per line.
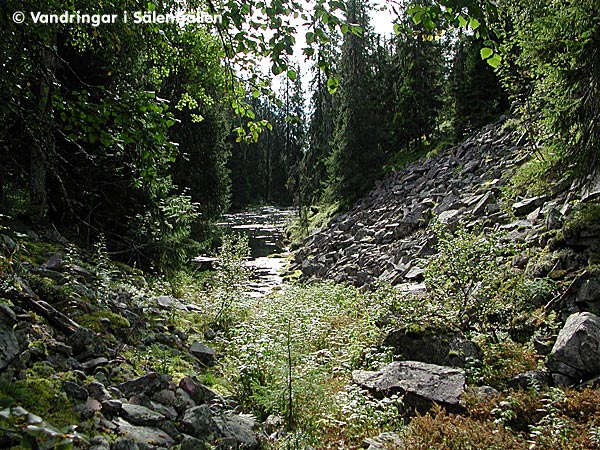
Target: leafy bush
{"x":467,"y":280}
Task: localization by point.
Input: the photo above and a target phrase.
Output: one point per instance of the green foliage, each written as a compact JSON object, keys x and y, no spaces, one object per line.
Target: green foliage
{"x":465,"y":277}
{"x":502,"y":360}
{"x":227,"y":285}
{"x":297,"y":350}
{"x":476,"y":97}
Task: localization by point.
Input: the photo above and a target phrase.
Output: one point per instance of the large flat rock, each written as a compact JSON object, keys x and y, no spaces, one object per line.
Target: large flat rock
{"x":420,"y":383}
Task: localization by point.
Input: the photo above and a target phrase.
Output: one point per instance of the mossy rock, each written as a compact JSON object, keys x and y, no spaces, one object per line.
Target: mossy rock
{"x":95,"y":321}
{"x":45,"y":398}
{"x":583,"y":220}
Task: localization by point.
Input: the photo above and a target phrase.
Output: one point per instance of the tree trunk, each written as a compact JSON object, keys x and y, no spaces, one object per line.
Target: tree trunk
{"x":43,"y":140}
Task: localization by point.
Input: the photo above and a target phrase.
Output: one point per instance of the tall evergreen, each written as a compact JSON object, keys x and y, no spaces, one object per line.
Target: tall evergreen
{"x":356,"y":157}
{"x":476,"y":95}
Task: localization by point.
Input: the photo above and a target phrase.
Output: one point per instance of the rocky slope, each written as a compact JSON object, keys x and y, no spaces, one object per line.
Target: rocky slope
{"x":387,"y":237}
{"x":89,"y":356}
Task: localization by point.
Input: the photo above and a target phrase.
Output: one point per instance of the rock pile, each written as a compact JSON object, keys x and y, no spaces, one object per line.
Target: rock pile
{"x":384,"y":237}
{"x":121,"y":405}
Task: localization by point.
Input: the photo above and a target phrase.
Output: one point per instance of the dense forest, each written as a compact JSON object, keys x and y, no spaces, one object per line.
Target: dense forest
{"x":444,"y":183}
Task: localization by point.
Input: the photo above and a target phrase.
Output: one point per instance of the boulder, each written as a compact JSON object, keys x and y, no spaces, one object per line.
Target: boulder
{"x":588,"y":296}
{"x":221,"y":429}
{"x":147,"y":384}
{"x":145,"y":437}
{"x":576,"y":352}
{"x":420,"y":383}
{"x":140,"y":415}
{"x":444,"y":349}
{"x":530,"y":379}
{"x":86,"y":342}
{"x":197,"y":391}
{"x":203,"y":352}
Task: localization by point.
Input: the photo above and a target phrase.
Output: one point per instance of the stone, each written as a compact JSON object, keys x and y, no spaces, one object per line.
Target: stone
{"x":124,"y":443}
{"x":9,"y":344}
{"x":415,"y":274}
{"x":227,"y":429}
{"x":203,"y":352}
{"x":421,"y":384}
{"x":99,"y":443}
{"x":198,"y":392}
{"x":145,"y":437}
{"x":54,"y":262}
{"x":527,"y":205}
{"x":487,"y":203}
{"x":98,"y":391}
{"x":588,"y":296}
{"x":94,"y":363}
{"x":554,"y":219}
{"x":88,"y":409}
{"x":184,"y":401}
{"x":198,"y":422}
{"x":140,"y":415}
{"x":75,"y":391}
{"x":576,"y":353}
{"x":191,"y":443}
{"x":146,"y":384}
{"x":444,"y":349}
{"x":85,"y":341}
{"x":112,"y":406}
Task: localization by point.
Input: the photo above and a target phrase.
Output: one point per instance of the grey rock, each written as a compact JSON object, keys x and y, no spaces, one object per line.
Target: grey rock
{"x":198,"y":422}
{"x":99,"y":443}
{"x":145,"y":437}
{"x":444,"y":349}
{"x":226,"y":430}
{"x":527,"y":205}
{"x":191,"y":443}
{"x":98,"y":391}
{"x":588,"y":296}
{"x":112,"y":406}
{"x":184,"y":401}
{"x":146,"y":384}
{"x":166,"y":397}
{"x":88,"y":409}
{"x":94,"y":363}
{"x":124,"y":443}
{"x":421,"y":384}
{"x":576,"y":353}
{"x":54,"y":262}
{"x":9,"y":345}
{"x":554,"y":219}
{"x":85,"y":341}
{"x":140,"y":415}
{"x":203,"y":352}
{"x":75,"y":391}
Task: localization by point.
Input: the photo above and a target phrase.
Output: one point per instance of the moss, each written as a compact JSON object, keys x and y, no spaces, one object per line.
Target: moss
{"x":37,"y":252}
{"x":583,"y":217}
{"x":93,"y":321}
{"x":45,"y":398}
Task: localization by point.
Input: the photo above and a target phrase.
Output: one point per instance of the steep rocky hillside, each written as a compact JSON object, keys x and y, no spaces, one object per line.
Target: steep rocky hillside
{"x":388,"y":237}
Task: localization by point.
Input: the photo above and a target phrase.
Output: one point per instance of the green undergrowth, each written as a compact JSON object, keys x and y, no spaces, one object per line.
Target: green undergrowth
{"x":293,"y":357}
